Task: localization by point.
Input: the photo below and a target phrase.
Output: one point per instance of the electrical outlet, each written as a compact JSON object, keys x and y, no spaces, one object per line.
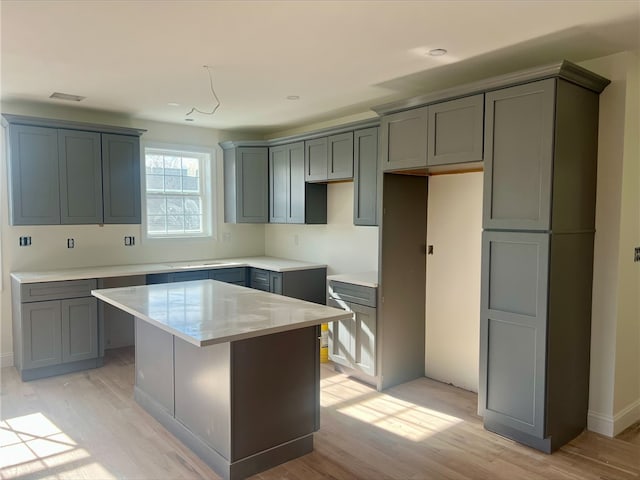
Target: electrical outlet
{"x":636,"y":254}
{"x":226,"y":237}
{"x":296,"y":240}
{"x":71,"y":243}
{"x":25,"y":241}
{"x":129,"y":241}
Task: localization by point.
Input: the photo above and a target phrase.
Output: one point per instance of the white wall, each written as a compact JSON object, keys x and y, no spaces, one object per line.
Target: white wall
{"x":614,"y":392}
{"x":452,"y":329}
{"x":345,"y":248}
{"x":96,"y":245}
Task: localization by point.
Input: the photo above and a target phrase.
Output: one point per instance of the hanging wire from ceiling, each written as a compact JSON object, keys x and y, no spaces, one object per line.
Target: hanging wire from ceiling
{"x":213,"y":92}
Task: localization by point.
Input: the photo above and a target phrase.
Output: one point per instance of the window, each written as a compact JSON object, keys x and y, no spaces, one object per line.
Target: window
{"x":178,"y":192}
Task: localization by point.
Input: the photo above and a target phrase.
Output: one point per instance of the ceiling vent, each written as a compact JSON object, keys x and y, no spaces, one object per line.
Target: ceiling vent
{"x":66,"y":96}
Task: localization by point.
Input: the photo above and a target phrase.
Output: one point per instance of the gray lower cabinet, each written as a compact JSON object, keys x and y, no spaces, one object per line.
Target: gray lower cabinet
{"x":352,"y":342}
{"x":55,"y":328}
{"x":246,"y":184}
{"x":309,"y":284}
{"x":455,"y":131}
{"x":404,"y":140}
{"x":235,"y":275}
{"x":365,"y":179}
{"x":291,"y":200}
{"x":72,"y":173}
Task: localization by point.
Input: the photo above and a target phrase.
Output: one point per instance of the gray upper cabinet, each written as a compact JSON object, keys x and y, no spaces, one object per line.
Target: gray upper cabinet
{"x":286,"y":184}
{"x":80,"y":176}
{"x":246,"y":185}
{"x":65,"y":172}
{"x":519,"y":137}
{"x":404,"y":140}
{"x":365,"y":179}
{"x":316,"y":155}
{"x":33,"y":165}
{"x":291,"y":200}
{"x":121,"y":178}
{"x":340,"y":156}
{"x":455,"y":131}
{"x":279,"y":195}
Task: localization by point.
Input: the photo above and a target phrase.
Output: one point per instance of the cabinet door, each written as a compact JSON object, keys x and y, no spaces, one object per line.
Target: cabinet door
{"x":364,"y":338}
{"x":121,"y":178}
{"x":41,"y":334}
{"x":278,"y":183}
{"x":33,"y":186}
{"x":252,"y":185}
{"x":296,"y":186}
{"x":513,"y":330}
{"x":80,"y":162}
{"x":275,"y":282}
{"x":365,"y":180}
{"x":340,"y":160}
{"x":341,"y":342}
{"x":316,"y":159}
{"x":455,"y":131}
{"x":519,"y":129}
{"x":404,"y":140}
{"x":237,"y":275}
{"x":79,"y":329}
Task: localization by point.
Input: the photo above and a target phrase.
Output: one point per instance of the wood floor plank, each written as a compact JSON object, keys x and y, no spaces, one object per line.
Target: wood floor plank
{"x":86,"y":425}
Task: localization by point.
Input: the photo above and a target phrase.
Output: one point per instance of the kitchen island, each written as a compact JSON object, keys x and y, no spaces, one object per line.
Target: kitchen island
{"x":230,"y":371}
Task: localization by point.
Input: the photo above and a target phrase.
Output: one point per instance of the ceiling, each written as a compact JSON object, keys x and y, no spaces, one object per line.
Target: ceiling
{"x":339,"y":57}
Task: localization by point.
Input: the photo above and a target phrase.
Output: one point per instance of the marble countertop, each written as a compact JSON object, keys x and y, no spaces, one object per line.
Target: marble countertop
{"x":366,"y":279}
{"x":268,"y":263}
{"x":206,"y":312}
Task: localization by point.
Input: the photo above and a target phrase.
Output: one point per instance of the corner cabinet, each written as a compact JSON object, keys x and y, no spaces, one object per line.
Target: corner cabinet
{"x":537,"y":258}
{"x":246,"y":184}
{"x":72,"y":173}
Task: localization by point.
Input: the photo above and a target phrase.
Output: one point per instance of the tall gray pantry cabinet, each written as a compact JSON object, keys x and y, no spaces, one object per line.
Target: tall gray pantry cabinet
{"x":537,"y":258}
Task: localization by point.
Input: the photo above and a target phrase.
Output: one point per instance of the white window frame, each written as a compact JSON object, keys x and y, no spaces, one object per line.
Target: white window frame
{"x":208,"y":184}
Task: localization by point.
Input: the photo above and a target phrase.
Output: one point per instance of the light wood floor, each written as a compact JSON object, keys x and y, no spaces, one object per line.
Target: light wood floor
{"x":87,"y":425}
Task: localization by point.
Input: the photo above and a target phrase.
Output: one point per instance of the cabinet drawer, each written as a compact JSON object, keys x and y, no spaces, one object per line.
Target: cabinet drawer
{"x":260,"y":279}
{"x":40,"y":292}
{"x":348,"y":292}
{"x":229,"y":275}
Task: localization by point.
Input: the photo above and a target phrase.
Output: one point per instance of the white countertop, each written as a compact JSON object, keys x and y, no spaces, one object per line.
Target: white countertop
{"x":268,"y":263}
{"x":206,"y":312}
{"x":366,"y":279}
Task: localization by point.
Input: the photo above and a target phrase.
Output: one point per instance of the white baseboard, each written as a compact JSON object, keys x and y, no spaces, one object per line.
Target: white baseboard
{"x":6,"y":359}
{"x":626,"y":417}
{"x":600,"y":423}
{"x":612,"y":425}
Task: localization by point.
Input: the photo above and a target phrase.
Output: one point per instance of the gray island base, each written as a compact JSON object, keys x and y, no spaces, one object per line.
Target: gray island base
{"x":231,"y":372}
